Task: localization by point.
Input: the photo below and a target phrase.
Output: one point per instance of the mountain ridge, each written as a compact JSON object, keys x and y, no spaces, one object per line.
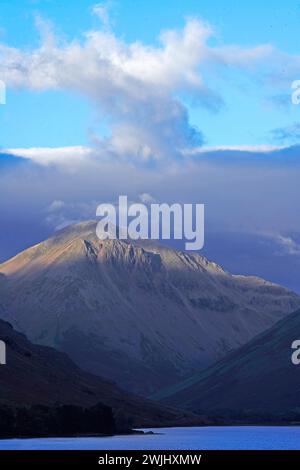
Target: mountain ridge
{"x":136,"y":312}
{"x":258,"y":378}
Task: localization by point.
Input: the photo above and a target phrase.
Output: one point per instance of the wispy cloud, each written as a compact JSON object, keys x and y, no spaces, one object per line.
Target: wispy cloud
{"x":286,"y":244}
{"x":102,"y":10}
{"x":287,"y":134}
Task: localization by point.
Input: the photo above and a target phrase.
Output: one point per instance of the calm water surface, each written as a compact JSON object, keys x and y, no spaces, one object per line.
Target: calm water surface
{"x":174,"y":439}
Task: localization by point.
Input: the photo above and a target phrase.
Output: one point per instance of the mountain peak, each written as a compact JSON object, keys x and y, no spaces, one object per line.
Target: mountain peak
{"x":137,"y":312}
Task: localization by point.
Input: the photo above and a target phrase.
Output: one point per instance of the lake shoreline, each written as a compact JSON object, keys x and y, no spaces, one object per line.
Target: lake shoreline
{"x":145,"y":432}
{"x":78,"y":436}
{"x":172,"y":439}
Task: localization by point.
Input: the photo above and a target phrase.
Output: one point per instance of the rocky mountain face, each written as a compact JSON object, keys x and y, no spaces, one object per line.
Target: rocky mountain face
{"x":39,"y":375}
{"x":257,"y":379}
{"x":139,"y":313}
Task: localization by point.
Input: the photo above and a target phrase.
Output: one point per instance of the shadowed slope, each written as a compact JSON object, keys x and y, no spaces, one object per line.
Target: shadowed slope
{"x":41,"y":375}
{"x":257,"y":378}
{"x":141,"y":314}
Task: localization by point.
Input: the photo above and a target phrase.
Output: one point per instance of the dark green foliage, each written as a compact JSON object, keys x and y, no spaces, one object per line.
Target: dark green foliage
{"x":60,"y":420}
{"x":7,"y":421}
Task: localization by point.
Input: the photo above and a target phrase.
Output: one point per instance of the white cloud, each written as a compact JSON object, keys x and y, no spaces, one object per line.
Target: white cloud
{"x":260,"y":148}
{"x":287,"y":244}
{"x":72,"y":158}
{"x":136,"y":85}
{"x":243,"y":57}
{"x":59,"y":214}
{"x":102,"y":11}
{"x":63,"y":156}
{"x":240,"y":195}
{"x":55,"y":205}
{"x":146,"y":198}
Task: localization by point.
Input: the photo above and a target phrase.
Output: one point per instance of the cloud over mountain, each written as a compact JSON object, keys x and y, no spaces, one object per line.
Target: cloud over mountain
{"x":138,"y":87}
{"x":144,"y":92}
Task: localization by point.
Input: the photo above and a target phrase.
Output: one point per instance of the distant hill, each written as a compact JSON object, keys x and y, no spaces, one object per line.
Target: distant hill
{"x":39,"y":375}
{"x":257,"y":379}
{"x":140,"y":314}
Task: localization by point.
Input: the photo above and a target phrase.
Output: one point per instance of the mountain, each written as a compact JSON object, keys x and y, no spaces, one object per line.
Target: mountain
{"x":258,"y":378}
{"x":138,"y":313}
{"x":39,"y":375}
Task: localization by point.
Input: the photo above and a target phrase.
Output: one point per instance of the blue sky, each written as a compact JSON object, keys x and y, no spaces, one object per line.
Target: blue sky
{"x":62,"y":118}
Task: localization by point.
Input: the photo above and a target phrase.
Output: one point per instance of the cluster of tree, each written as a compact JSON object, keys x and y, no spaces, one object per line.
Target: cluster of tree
{"x":60,"y":420}
{"x":253,"y":417}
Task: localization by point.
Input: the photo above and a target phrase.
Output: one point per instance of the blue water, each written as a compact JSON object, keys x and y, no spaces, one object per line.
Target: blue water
{"x":252,"y":438}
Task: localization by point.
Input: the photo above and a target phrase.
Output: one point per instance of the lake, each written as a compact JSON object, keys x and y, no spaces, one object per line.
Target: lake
{"x":196,"y":438}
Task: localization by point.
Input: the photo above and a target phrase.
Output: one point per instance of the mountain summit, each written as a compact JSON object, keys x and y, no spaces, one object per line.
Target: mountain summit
{"x":139,"y":313}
